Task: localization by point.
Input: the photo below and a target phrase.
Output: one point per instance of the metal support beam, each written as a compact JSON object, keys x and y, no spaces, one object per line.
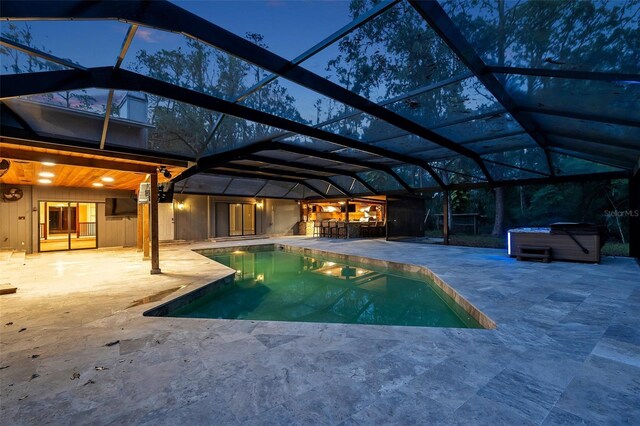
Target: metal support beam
{"x":437,"y":18}
{"x":107,"y":115}
{"x":292,"y":188}
{"x":581,"y":116}
{"x":598,"y":154}
{"x":569,"y":74}
{"x":106,"y":77}
{"x":305,"y":166}
{"x":271,"y":173}
{"x":247,"y":175}
{"x":6,"y":109}
{"x":167,"y":16}
{"x":630,"y":144}
{"x":445,"y":217}
{"x":554,"y":180}
{"x":266,"y":182}
{"x":416,"y":92}
{"x":20,"y":137}
{"x":597,"y":158}
{"x":634,"y":217}
{"x":511,"y":166}
{"x":39,"y":54}
{"x":126,"y":43}
{"x":398,"y":135}
{"x":123,"y":52}
{"x":220,"y":159}
{"x":342,"y":32}
{"x":338,"y":158}
{"x":474,"y":140}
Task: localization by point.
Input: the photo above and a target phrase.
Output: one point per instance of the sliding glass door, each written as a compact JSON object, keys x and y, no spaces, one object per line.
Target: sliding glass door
{"x":242,"y":219}
{"x":67,"y":226}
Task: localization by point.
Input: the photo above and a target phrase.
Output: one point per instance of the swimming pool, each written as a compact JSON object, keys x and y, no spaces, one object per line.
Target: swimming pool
{"x":275,"y":285}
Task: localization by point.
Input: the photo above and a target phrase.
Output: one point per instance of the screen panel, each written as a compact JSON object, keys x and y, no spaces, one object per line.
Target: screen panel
{"x":570,"y":35}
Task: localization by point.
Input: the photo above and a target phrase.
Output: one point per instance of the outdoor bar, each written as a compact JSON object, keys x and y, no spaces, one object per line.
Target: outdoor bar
{"x":350,"y":218}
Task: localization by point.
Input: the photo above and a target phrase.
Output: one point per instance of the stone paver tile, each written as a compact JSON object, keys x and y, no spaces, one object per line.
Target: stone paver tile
{"x":600,"y":404}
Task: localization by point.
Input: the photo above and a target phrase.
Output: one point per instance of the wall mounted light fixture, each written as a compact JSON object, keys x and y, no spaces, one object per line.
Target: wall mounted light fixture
{"x":166,"y":173}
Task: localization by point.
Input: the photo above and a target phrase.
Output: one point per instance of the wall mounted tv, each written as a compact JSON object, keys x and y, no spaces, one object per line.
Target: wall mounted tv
{"x":119,"y":207}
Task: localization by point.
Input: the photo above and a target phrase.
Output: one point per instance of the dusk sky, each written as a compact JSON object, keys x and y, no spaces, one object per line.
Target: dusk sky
{"x":289,"y":28}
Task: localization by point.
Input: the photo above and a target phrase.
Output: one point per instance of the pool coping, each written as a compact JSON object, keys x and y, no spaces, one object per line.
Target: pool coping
{"x":163,"y":309}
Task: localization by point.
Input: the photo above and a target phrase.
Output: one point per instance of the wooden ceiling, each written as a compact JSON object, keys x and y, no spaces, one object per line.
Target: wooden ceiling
{"x":72,"y":169}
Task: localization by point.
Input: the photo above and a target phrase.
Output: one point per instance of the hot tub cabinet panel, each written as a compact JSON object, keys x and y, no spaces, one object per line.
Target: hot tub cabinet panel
{"x":563,"y":247}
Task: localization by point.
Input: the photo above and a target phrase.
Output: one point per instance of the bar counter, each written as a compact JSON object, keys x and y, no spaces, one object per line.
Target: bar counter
{"x":354,"y":229}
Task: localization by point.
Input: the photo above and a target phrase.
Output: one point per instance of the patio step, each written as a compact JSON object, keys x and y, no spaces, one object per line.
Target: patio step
{"x":534,"y":252}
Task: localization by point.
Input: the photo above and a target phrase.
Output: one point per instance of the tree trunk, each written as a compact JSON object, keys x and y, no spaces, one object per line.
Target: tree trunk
{"x":498,"y":224}
{"x":617,"y":217}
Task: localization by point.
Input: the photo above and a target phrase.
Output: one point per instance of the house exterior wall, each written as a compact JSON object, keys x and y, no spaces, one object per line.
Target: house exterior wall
{"x":203,"y":217}
{"x":208,"y":216}
{"x":191,"y":222}
{"x":15,"y":222}
{"x":19,"y":219}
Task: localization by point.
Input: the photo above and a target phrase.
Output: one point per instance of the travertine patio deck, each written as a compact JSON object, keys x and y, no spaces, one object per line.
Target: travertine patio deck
{"x":566,"y":350}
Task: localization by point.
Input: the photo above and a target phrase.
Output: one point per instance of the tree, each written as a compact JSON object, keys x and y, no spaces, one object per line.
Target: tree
{"x":18,"y":63}
{"x":188,"y":130}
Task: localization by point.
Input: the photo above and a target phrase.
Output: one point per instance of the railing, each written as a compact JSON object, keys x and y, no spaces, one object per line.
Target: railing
{"x":86,"y":229}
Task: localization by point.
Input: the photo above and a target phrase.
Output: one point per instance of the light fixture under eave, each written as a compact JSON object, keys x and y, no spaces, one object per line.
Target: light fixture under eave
{"x":48,"y":163}
{"x":44,"y":180}
{"x":259,"y":204}
{"x":166,"y":173}
{"x":107,"y":179}
{"x":180,"y":205}
{"x":97,"y":184}
{"x":46,"y":174}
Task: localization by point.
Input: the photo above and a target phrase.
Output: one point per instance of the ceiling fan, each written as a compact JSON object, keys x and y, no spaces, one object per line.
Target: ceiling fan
{"x":12,"y":194}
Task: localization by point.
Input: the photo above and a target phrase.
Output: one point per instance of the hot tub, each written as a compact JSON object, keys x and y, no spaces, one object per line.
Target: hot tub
{"x":577,"y":242}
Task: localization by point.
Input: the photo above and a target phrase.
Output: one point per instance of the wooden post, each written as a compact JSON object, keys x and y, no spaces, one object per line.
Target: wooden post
{"x":155,"y":246}
{"x":346,"y":206}
{"x":634,"y":216}
{"x":46,"y":221}
{"x":445,"y":217}
{"x":77,"y":220}
{"x":145,"y":232}
{"x":140,"y":224}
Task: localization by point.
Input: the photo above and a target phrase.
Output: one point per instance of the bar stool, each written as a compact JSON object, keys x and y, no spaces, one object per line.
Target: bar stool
{"x":342,"y":230}
{"x":324,"y":231}
{"x":370,"y":229}
{"x":317,"y":228}
{"x":333,"y":229}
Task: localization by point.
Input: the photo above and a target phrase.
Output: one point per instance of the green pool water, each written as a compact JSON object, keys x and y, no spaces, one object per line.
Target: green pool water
{"x":280,"y":286}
